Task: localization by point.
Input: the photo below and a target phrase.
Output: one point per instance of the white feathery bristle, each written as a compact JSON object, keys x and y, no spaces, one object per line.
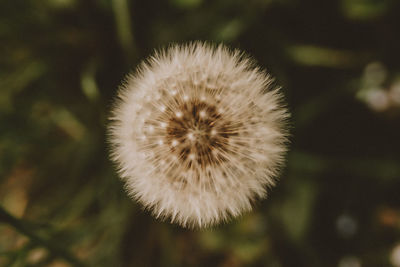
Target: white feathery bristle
{"x":198,"y":133}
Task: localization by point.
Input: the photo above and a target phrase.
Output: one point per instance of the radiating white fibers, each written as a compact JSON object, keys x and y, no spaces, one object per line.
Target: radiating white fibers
{"x":198,"y":132}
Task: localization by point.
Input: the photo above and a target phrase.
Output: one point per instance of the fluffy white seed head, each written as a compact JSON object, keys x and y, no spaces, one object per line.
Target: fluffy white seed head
{"x":198,"y":133}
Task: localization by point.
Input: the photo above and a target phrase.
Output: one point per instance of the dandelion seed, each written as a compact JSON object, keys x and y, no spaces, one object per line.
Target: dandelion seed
{"x":202,"y":114}
{"x":178,"y":114}
{"x":190,"y":136}
{"x":215,"y":137}
{"x":174,"y":143}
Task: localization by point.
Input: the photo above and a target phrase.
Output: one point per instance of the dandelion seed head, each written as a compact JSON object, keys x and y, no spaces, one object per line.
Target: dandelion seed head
{"x":198,"y":133}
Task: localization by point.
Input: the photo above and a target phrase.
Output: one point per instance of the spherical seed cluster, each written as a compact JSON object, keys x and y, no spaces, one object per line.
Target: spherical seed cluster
{"x":198,"y":133}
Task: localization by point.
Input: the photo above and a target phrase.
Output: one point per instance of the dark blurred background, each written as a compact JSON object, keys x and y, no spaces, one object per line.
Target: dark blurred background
{"x":338,"y":201}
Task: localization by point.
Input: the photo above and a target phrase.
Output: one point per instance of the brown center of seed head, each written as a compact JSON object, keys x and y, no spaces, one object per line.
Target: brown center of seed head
{"x":198,"y":134}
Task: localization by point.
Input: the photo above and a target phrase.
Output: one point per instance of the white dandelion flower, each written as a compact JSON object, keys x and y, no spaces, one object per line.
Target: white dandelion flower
{"x":198,"y":133}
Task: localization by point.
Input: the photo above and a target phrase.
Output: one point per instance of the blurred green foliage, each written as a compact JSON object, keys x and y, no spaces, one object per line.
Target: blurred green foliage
{"x":338,"y":201}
